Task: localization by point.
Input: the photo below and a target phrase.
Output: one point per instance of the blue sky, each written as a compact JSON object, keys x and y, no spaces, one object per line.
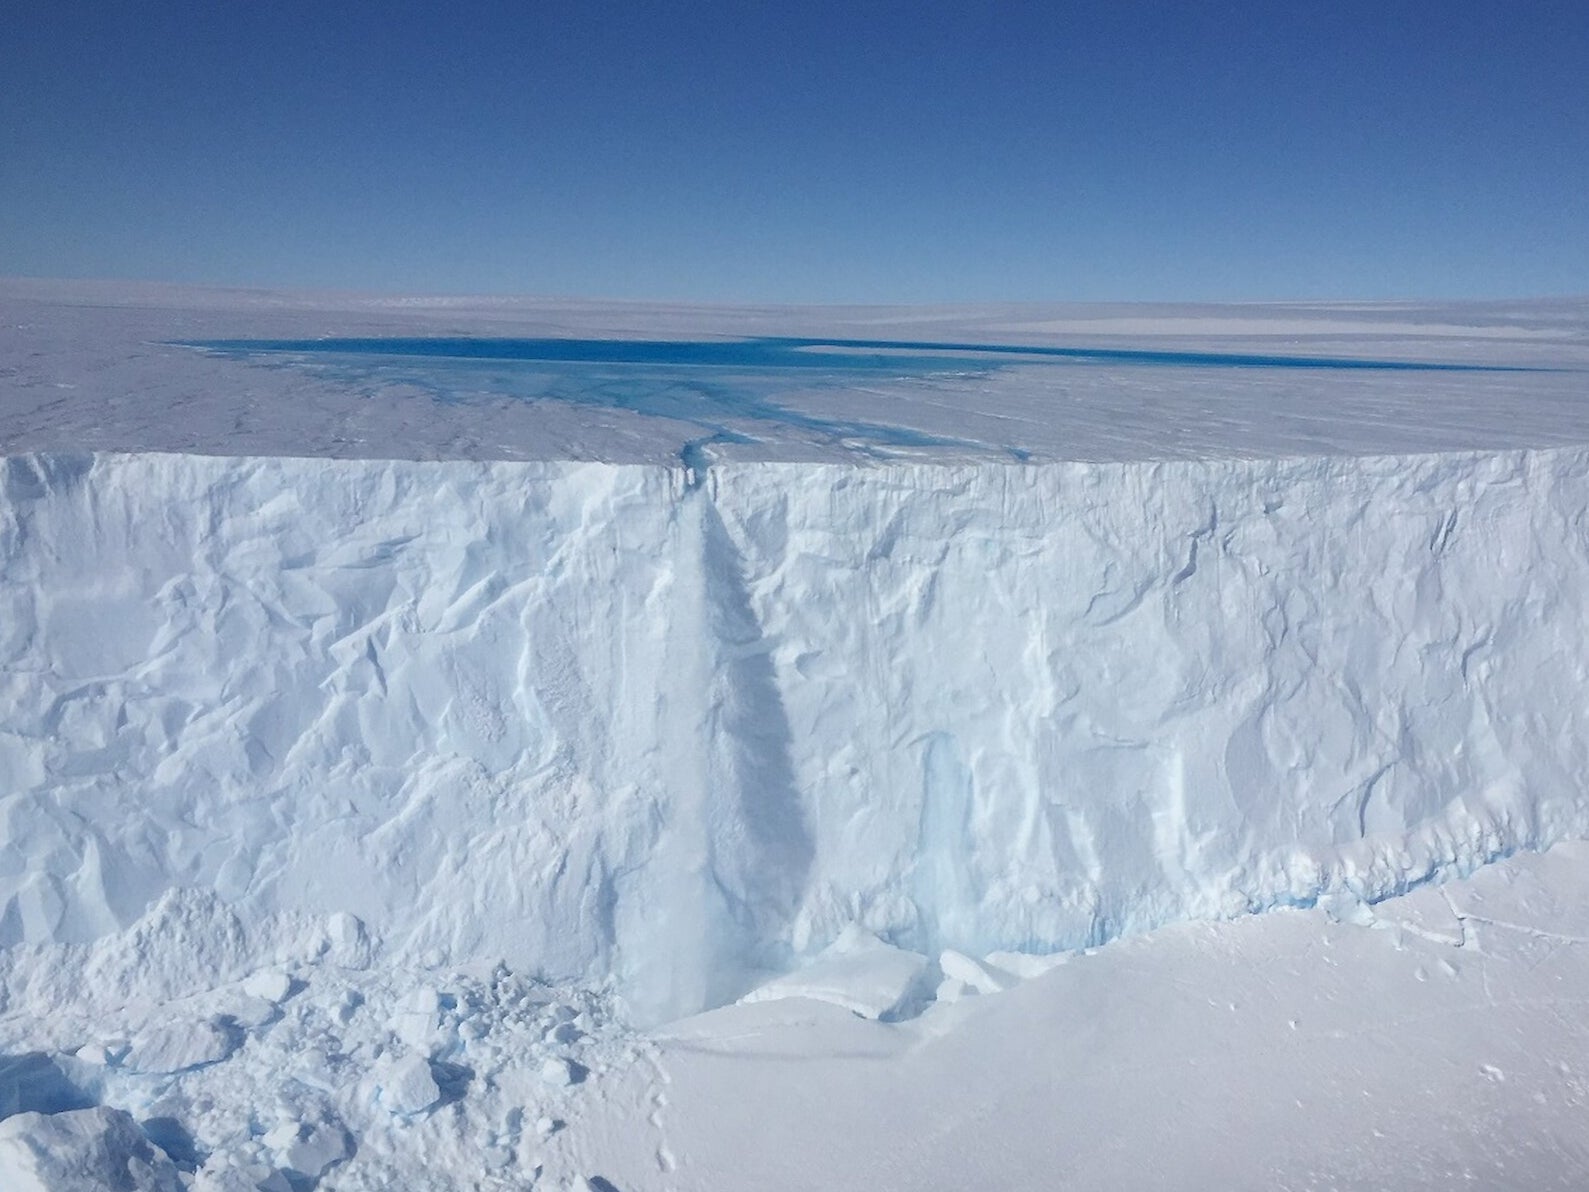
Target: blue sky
{"x":806,"y":152}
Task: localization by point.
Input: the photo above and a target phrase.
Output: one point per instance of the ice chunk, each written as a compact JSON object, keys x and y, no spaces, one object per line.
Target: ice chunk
{"x":271,"y":985}
{"x":951,"y":990}
{"x":1025,"y":966}
{"x":101,"y":1055}
{"x":418,"y":1018}
{"x":558,"y":1072}
{"x":226,"y":1177}
{"x":186,"y":942}
{"x":82,"y":1150}
{"x":857,"y":971}
{"x":347,"y":941}
{"x":250,"y":1013}
{"x":408,"y":1086}
{"x":973,"y":973}
{"x":563,"y":1034}
{"x":36,"y":1081}
{"x":307,"y":1149}
{"x":1343,"y":906}
{"x":316,"y":1067}
{"x":180,"y":1045}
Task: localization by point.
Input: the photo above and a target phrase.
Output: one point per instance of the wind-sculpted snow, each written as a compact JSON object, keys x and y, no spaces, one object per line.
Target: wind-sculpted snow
{"x":599,"y":721}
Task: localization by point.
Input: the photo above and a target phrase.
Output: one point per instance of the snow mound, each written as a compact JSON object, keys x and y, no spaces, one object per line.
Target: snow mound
{"x":680,"y":728}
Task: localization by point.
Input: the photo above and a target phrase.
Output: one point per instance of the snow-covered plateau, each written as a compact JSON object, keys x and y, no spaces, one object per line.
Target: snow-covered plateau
{"x":422,"y":777}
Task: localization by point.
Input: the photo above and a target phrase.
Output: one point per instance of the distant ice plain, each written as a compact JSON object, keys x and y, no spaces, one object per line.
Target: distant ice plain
{"x":93,"y":367}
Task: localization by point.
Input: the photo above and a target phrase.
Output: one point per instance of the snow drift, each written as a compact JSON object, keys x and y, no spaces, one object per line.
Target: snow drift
{"x":681,"y":729}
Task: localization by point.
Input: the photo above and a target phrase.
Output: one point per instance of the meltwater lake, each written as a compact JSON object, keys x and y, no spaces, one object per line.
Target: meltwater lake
{"x":799,"y":355}
{"x":731,"y":388}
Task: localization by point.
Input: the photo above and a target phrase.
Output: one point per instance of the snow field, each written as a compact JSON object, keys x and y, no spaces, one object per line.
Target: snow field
{"x":1441,"y":1044}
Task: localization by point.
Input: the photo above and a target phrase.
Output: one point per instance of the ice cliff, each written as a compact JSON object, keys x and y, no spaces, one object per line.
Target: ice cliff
{"x":682,"y":729}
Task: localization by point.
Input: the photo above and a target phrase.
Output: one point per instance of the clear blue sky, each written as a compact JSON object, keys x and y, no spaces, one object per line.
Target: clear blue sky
{"x":806,"y":151}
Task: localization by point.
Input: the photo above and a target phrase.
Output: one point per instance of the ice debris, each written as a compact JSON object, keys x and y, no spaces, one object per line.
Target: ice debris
{"x":269,"y":985}
{"x":307,"y":1149}
{"x":180,"y":1045}
{"x":983,"y":978}
{"x":857,"y":971}
{"x":408,"y":1086}
{"x":340,"y":1078}
{"x":82,"y":1150}
{"x":560,"y":1072}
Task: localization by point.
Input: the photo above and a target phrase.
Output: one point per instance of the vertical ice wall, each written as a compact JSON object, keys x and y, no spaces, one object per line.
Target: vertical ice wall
{"x":599,"y":721}
{"x":1064,"y":702}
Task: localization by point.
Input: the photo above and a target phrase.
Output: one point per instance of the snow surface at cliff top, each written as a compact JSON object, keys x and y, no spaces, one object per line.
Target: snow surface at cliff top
{"x":99,"y":366}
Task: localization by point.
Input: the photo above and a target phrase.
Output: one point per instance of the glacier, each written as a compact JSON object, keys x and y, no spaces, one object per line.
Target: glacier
{"x":488,"y":780}
{"x":598,"y":721}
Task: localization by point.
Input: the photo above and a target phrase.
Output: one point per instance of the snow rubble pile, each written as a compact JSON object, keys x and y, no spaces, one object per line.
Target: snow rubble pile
{"x":682,"y":730}
{"x":156,"y":1058}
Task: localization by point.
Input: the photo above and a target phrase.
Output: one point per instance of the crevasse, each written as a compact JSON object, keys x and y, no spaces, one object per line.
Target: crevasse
{"x":606,"y":723}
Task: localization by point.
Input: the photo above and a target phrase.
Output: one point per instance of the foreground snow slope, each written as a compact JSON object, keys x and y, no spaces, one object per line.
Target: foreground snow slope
{"x":1443,"y":1044}
{"x":681,"y":729}
{"x":1438,"y":1040}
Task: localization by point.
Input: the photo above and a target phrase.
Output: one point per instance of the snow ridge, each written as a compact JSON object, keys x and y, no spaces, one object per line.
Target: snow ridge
{"x":683,"y":727}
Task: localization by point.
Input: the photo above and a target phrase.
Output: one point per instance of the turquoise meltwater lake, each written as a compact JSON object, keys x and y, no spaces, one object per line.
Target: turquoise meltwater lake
{"x":725,"y":387}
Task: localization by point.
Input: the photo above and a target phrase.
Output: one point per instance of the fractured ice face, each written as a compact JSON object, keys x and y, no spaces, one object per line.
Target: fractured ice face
{"x":586,"y":719}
